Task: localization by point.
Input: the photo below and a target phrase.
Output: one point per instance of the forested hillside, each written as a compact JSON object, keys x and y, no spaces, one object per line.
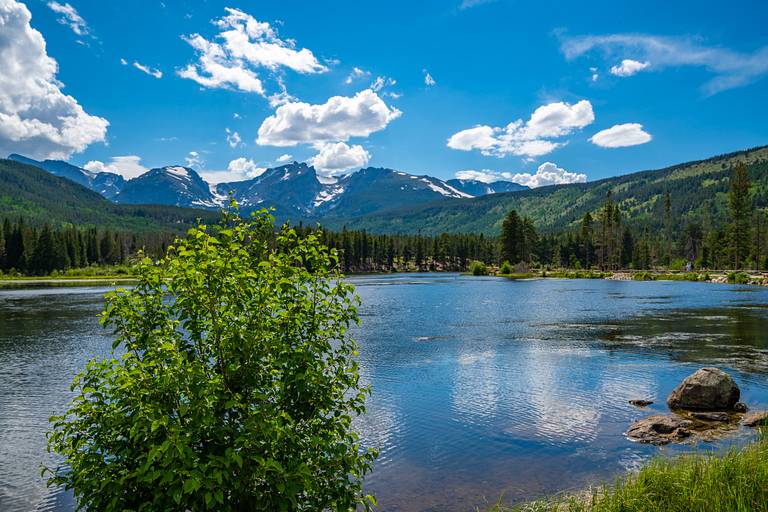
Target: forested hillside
{"x":39,"y":197}
{"x":697,"y":190}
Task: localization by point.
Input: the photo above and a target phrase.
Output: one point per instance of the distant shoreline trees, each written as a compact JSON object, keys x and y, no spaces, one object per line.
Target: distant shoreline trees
{"x":602,"y":239}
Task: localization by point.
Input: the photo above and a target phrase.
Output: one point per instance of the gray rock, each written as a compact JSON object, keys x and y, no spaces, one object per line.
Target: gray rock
{"x":740,"y":407}
{"x":708,"y":389}
{"x":660,"y":429}
{"x":755,"y":419}
{"x":641,"y":403}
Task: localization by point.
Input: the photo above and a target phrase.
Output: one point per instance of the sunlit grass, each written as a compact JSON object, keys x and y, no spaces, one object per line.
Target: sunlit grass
{"x":736,"y":480}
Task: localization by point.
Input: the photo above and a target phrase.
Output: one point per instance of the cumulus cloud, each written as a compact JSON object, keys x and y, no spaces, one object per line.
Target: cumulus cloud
{"x":239,"y":169}
{"x":629,"y":67}
{"x":36,"y":117}
{"x":335,"y":158}
{"x":70,"y":17}
{"x":245,"y":167}
{"x":621,"y":135}
{"x":148,"y":70}
{"x":336,"y":120}
{"x":730,"y":68}
{"x":546,"y":174}
{"x":242,"y":47}
{"x":233,"y":138}
{"x":485,"y":176}
{"x":128,"y":166}
{"x":526,"y":138}
{"x":428,"y":80}
{"x":355,"y":74}
{"x":194,"y":160}
{"x":284,"y":158}
{"x":382,"y":82}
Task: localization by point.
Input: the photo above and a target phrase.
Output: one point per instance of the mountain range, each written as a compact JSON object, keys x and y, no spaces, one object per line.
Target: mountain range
{"x":376,"y":199}
{"x":294,"y":190}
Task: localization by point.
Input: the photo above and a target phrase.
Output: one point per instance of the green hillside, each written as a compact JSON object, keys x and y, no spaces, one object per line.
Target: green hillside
{"x":38,"y":197}
{"x":691,"y":186}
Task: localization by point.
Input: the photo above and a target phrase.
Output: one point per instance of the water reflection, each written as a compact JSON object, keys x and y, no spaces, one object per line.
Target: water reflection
{"x":481,"y":386}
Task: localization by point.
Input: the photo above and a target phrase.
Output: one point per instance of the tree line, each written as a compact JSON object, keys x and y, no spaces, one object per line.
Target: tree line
{"x":602,"y":239}
{"x":40,"y":250}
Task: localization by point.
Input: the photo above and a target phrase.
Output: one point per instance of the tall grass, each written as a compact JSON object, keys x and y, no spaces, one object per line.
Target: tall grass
{"x":734,"y":481}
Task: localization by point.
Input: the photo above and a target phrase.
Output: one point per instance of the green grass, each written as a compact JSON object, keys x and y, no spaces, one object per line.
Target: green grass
{"x":736,"y":480}
{"x":85,"y":273}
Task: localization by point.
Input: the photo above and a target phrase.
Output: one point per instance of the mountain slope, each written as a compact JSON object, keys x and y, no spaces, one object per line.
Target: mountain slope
{"x":170,"y":185}
{"x":38,"y":196}
{"x":105,"y":183}
{"x":691,"y":185}
{"x":291,"y":189}
{"x":372,"y":190}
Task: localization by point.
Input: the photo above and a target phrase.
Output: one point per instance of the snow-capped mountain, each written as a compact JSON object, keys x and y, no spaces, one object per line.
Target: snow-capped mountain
{"x":174,"y":185}
{"x":294,"y":190}
{"x":477,"y":188}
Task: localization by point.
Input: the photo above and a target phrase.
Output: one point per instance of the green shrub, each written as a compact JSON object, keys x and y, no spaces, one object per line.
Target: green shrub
{"x":738,"y":278}
{"x":237,"y":388}
{"x":478,"y":268}
{"x":506,"y":268}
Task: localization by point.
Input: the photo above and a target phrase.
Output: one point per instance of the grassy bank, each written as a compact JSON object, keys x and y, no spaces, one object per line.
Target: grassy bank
{"x":736,"y":480}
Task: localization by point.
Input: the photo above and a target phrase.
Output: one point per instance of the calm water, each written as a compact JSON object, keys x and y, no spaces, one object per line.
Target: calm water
{"x":482,"y":386}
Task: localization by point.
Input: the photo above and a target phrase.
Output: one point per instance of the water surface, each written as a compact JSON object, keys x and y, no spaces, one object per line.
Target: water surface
{"x":482,"y":387}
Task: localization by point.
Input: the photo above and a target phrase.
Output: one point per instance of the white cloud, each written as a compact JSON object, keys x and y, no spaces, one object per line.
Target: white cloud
{"x":123,"y":61}
{"x":595,"y":75}
{"x":428,"y":80}
{"x":36,"y":117}
{"x":546,"y":174}
{"x":629,"y":67}
{"x":730,"y":68}
{"x":239,"y":169}
{"x":382,"y":82}
{"x":621,"y":135}
{"x":194,"y":160}
{"x":127,"y":166}
{"x":233,"y":138}
{"x":529,"y":138}
{"x":337,"y":119}
{"x":284,"y":158}
{"x":244,"y":45}
{"x":148,"y":70}
{"x":485,"y":176}
{"x":355,"y":74}
{"x":70,"y":17}
{"x":334,"y":158}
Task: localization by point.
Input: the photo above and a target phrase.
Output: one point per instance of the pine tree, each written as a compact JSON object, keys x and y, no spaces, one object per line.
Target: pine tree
{"x":740,"y":203}
{"x":586,"y":235}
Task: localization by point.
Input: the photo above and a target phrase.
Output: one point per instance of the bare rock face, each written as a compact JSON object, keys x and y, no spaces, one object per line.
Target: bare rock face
{"x":708,"y":389}
{"x":660,"y":429}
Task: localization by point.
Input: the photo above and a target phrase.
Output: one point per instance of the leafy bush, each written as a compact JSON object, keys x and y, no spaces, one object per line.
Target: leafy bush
{"x":506,"y":268}
{"x":237,"y":387}
{"x":738,"y":277}
{"x":478,"y":268}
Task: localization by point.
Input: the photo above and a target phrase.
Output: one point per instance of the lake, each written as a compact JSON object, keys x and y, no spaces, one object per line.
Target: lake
{"x":482,"y":387}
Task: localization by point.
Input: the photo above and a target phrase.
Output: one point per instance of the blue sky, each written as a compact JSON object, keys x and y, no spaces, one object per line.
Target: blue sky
{"x":599,"y":88}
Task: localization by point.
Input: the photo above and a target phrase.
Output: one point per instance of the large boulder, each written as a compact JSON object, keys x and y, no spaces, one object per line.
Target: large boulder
{"x":708,"y":389}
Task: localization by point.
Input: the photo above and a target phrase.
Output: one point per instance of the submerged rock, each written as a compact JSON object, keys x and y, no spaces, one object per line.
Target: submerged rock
{"x":708,"y":389}
{"x":740,"y":407}
{"x":712,"y":416}
{"x":660,"y":429}
{"x":755,"y":419}
{"x":641,"y":403}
